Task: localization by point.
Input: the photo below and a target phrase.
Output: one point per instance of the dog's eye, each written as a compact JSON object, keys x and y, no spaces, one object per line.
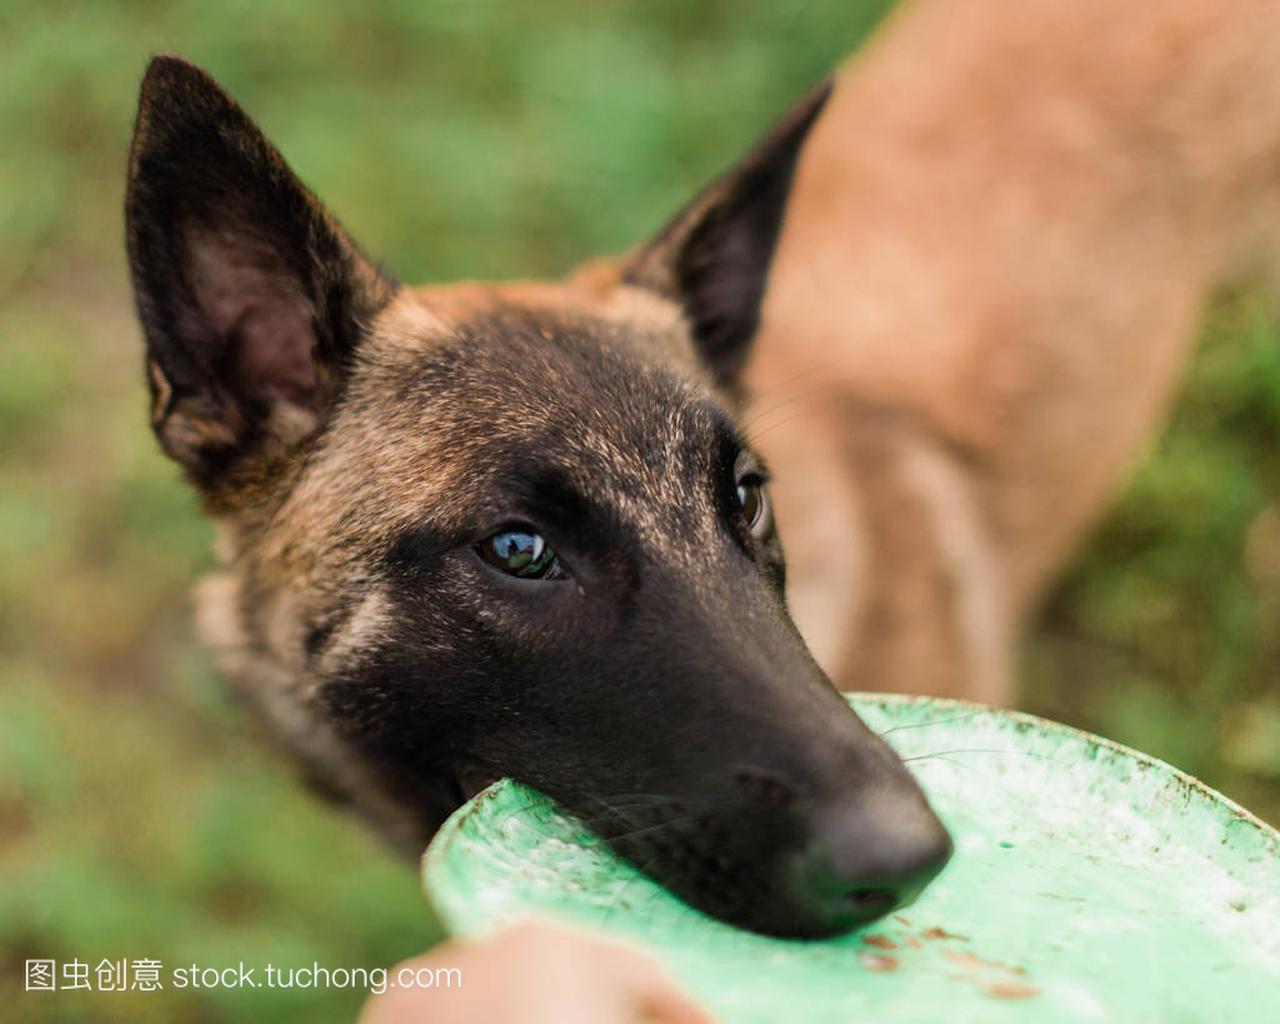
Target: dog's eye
{"x":753,"y":505}
{"x":521,"y":553}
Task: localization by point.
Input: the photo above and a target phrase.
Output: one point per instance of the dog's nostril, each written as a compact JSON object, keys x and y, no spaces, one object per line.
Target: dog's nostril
{"x":871,"y":902}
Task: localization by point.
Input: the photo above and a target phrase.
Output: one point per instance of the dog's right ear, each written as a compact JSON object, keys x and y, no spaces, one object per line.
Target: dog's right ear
{"x":252,"y":298}
{"x":713,"y":257}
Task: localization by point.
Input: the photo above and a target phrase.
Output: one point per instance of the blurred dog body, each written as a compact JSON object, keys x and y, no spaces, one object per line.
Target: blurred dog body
{"x":1000,"y":238}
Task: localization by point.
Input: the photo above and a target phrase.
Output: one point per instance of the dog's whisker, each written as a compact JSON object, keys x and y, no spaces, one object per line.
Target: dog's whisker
{"x":754,"y":399}
{"x":628,"y":795}
{"x":520,"y":811}
{"x":644,"y":830}
{"x":636,"y":800}
{"x":785,"y":403}
{"x":982,"y":750}
{"x":619,"y":806}
{"x":931,"y":722}
{"x":934,"y":758}
{"x":755,"y":436}
{"x":755,"y":425}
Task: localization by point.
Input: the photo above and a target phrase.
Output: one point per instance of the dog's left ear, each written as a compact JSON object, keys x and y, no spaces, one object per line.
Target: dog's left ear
{"x":252,"y":297}
{"x":713,"y":257}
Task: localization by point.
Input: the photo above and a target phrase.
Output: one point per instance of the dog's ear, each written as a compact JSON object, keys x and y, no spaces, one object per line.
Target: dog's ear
{"x":252,"y":298}
{"x":713,"y":257}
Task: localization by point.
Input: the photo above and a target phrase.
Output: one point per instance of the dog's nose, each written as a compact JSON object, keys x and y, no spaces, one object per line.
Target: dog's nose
{"x":865,"y":858}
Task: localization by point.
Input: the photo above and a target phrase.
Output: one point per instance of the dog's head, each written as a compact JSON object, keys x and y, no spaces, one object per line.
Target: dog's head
{"x":480,"y":531}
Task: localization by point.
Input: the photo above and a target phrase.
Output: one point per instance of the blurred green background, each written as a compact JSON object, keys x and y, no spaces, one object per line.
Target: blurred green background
{"x":138,"y":815}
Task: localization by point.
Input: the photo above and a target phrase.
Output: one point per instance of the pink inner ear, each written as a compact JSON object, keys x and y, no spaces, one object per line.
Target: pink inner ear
{"x":255,"y":309}
{"x":274,"y":356}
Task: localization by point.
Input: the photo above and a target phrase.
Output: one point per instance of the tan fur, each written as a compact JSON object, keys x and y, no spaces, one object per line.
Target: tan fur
{"x":1003,"y":227}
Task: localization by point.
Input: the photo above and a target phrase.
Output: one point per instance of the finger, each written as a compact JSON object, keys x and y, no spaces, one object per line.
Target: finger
{"x":657,"y":995}
{"x":672,"y":1007}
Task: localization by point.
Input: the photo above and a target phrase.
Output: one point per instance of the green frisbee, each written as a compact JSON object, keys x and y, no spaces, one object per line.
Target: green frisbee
{"x":1090,"y":882}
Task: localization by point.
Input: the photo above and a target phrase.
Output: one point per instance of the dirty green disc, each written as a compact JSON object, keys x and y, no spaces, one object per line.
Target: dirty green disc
{"x":1090,"y":883}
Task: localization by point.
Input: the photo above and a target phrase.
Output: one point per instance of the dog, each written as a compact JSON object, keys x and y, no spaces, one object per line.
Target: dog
{"x":1001,"y":236}
{"x":478,"y":531}
{"x":518,"y":530}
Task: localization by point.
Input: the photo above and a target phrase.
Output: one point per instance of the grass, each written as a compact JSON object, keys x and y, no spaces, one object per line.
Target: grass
{"x":139,"y":817}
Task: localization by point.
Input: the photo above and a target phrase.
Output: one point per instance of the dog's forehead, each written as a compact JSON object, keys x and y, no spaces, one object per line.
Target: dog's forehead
{"x":613,"y":373}
{"x":456,"y":388}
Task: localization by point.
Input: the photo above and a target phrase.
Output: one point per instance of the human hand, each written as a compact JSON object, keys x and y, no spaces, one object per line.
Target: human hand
{"x":536,"y":973}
